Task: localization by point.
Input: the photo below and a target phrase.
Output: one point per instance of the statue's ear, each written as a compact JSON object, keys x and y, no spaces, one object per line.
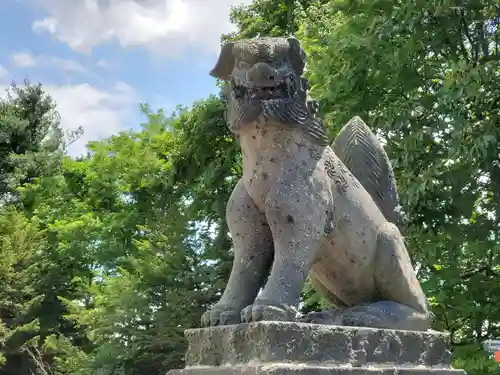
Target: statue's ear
{"x":225,"y":63}
{"x":297,"y":55}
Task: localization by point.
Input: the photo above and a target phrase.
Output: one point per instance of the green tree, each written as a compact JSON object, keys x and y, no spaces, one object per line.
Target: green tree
{"x":32,"y":273}
{"x":47,"y":257}
{"x":30,"y":137}
{"x":20,"y":241}
{"x":150,"y":232}
{"x":270,"y":17}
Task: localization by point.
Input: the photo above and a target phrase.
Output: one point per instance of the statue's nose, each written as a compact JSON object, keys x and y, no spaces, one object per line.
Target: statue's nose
{"x":262,"y":74}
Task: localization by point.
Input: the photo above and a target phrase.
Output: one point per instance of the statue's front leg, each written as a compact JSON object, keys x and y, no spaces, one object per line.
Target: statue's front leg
{"x":253,"y":252}
{"x":296,"y":213}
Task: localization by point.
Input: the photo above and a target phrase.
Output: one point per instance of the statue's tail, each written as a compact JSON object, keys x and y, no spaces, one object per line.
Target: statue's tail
{"x":362,"y":152}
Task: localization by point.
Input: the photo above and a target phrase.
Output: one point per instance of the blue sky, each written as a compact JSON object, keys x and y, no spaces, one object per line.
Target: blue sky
{"x":100,"y":58}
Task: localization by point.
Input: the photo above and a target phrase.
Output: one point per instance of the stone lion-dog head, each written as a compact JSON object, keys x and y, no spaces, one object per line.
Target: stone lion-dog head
{"x":264,"y":82}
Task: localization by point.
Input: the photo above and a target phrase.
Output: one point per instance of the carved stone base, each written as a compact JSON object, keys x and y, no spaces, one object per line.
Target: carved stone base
{"x":283,"y":348}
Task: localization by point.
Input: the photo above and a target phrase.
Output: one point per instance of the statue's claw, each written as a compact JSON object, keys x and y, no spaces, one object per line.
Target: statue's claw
{"x":229,"y":317}
{"x":219,"y":316}
{"x":206,"y":320}
{"x":262,"y":312}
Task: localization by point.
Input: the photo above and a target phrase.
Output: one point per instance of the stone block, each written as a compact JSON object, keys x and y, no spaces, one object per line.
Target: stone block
{"x":290,"y":348}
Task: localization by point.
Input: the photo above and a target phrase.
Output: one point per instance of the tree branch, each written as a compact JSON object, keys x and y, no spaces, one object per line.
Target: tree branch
{"x":467,"y":275}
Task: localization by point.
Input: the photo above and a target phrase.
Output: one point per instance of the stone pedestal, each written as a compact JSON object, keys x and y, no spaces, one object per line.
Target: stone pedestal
{"x":281,"y":348}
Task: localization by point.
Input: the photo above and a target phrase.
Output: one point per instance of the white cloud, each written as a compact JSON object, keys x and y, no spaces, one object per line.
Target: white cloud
{"x":103,"y":63}
{"x":27,"y":60}
{"x":162,"y":26}
{"x":23,"y":59}
{"x":64,"y":64}
{"x":100,"y":112}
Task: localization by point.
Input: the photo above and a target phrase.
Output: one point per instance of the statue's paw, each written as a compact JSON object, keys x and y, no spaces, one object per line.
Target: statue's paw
{"x":363,"y":319}
{"x":220,"y":317}
{"x":333,"y":317}
{"x":266,"y":312}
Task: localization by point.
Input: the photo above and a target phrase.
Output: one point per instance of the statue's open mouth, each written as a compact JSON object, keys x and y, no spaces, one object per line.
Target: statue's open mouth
{"x":263,"y":93}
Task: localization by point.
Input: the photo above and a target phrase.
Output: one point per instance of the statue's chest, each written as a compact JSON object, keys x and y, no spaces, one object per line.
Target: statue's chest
{"x":268,"y":154}
{"x":260,"y":175}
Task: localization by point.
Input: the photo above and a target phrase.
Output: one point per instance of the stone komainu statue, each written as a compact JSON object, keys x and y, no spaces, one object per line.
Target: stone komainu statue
{"x":304,"y":208}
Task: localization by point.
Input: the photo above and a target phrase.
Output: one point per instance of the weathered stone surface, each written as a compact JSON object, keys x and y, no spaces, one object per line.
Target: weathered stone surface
{"x":286,"y":369}
{"x":300,"y":343}
{"x":307,"y":349}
